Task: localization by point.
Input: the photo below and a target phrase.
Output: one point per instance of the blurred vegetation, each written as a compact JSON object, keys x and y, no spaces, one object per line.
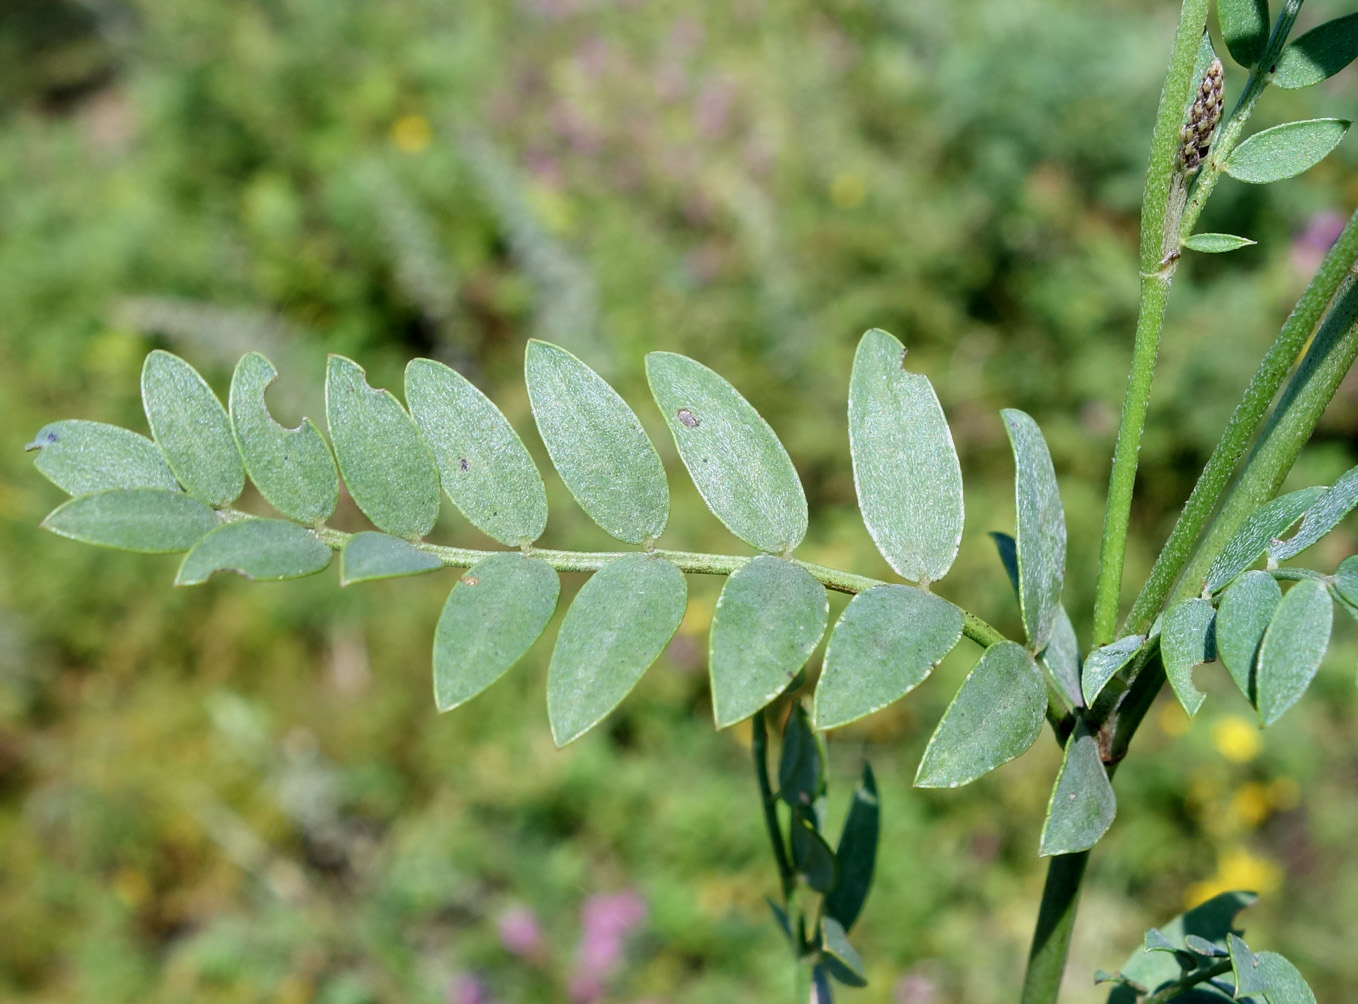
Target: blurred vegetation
{"x":242,"y":793}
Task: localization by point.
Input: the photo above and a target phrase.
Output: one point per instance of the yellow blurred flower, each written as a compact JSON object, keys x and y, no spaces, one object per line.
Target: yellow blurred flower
{"x":1237,"y":869}
{"x":847,"y":190}
{"x":1251,"y":804}
{"x":1237,"y":739}
{"x":411,"y":133}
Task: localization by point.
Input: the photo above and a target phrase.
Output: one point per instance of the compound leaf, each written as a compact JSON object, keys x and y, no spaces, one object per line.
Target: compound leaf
{"x":82,"y":457}
{"x":737,"y":463}
{"x":1244,"y":28}
{"x":1324,"y":515}
{"x":620,"y":622}
{"x":886,"y":643}
{"x":1040,"y":540}
{"x":598,"y":445}
{"x":1285,"y":151}
{"x":1321,"y":52}
{"x":1187,"y":640}
{"x":192,"y":429}
{"x":1293,"y":647}
{"x":856,"y":854}
{"x":292,"y":468}
{"x":996,"y":715}
{"x":905,"y":466}
{"x":1242,"y":618}
{"x":1216,"y":243}
{"x":485,"y":468}
{"x":367,"y":556}
{"x":148,"y":520}
{"x":260,"y":549}
{"x":769,"y":618}
{"x":1212,"y":920}
{"x":492,"y":616}
{"x":1082,"y":804}
{"x":1102,"y":664}
{"x":384,"y":460}
{"x":1254,"y":535}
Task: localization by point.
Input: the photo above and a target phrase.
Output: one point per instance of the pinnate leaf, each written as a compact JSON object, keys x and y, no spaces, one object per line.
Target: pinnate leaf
{"x":493,"y":615}
{"x":192,"y":429}
{"x":1285,"y":151}
{"x":1040,"y":540}
{"x":1244,"y":614}
{"x":385,"y":462}
{"x":1216,"y":243}
{"x":856,"y":853}
{"x":1212,"y":921}
{"x":906,"y":470}
{"x":82,"y":457}
{"x":1244,"y":27}
{"x":598,"y":445}
{"x":1082,"y":804}
{"x":260,"y":549}
{"x":996,"y":715}
{"x":620,"y":622}
{"x":1187,"y":640}
{"x":1255,"y":534}
{"x":737,"y":463}
{"x":886,"y":643}
{"x":1293,"y":648}
{"x":484,"y":466}
{"x":148,"y":520}
{"x":1104,"y":663}
{"x":367,"y":556}
{"x":769,"y":618}
{"x":292,"y":468}
{"x":1321,"y":52}
{"x":1324,"y":515}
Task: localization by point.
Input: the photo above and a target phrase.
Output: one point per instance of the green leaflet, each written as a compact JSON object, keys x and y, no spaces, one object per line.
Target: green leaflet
{"x":1285,"y":150}
{"x":1102,"y":664}
{"x":996,"y":715}
{"x":1249,"y":979}
{"x":769,"y":618}
{"x":1253,"y":537}
{"x":484,"y":466}
{"x":1187,"y":640}
{"x":85,"y":457}
{"x":385,"y":462}
{"x":737,"y":463}
{"x":835,"y":944}
{"x":886,"y":643}
{"x":135,"y":519}
{"x":801,"y":762}
{"x":906,"y":471}
{"x":261,"y":549}
{"x":491,"y":618}
{"x":1062,"y":658}
{"x":1293,"y":648}
{"x":1040,"y":540}
{"x":856,"y":853}
{"x":598,"y":445}
{"x":192,"y":429}
{"x":1082,"y":804}
{"x":1216,"y":243}
{"x":811,"y":855}
{"x":1244,"y":28}
{"x":1323,"y":516}
{"x":1242,"y":618}
{"x":1321,"y":52}
{"x":1346,"y":579}
{"x":1285,"y":984}
{"x":292,"y":468}
{"x":367,"y":556}
{"x":618,"y":625}
{"x":1212,"y":920}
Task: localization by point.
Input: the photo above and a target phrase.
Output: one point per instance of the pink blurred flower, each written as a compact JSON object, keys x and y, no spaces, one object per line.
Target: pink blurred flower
{"x":606,"y":922}
{"x":914,"y":988}
{"x":520,"y":933}
{"x":465,"y":988}
{"x":1309,"y":246}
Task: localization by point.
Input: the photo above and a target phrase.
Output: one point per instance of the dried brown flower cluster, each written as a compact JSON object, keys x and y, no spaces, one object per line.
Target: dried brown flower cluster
{"x":1196,"y":135}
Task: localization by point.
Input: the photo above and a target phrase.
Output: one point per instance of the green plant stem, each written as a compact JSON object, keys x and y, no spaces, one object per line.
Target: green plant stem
{"x":1172,"y":992}
{"x":759,"y":746}
{"x":1055,"y":923}
{"x":1235,"y":439}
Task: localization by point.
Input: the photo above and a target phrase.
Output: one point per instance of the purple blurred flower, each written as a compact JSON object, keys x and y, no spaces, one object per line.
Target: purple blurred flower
{"x":520,"y":933}
{"x":606,"y":921}
{"x":1309,"y":246}
{"x":914,"y":988}
{"x":465,"y":988}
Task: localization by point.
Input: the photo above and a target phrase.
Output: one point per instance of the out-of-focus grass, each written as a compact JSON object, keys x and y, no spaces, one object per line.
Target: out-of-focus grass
{"x":241,"y":792}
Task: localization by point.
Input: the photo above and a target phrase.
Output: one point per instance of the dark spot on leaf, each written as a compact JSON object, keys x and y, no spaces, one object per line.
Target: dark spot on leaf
{"x":687,"y":418}
{"x":471,"y":580}
{"x":462,"y":462}
{"x":904,"y":353}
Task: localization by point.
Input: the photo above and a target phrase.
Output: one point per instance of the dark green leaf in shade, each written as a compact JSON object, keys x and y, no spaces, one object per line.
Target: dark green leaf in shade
{"x":885,"y":644}
{"x":494,"y":613}
{"x":905,"y":466}
{"x":1102,"y":664}
{"x":835,"y":945}
{"x":856,"y":854}
{"x":1254,"y":536}
{"x":1155,"y":941}
{"x":192,"y":429}
{"x":1285,"y":150}
{"x":620,"y":622}
{"x":1203,"y":947}
{"x":1324,"y":515}
{"x":367,"y":556}
{"x":1212,"y":920}
{"x":292,"y":468}
{"x":1216,"y":243}
{"x":82,"y":457}
{"x":1062,"y":658}
{"x":780,"y":918}
{"x":134,"y":519}
{"x":260,"y":549}
{"x":485,"y":468}
{"x":1244,"y":28}
{"x":996,"y":715}
{"x":1041,"y":538}
{"x":769,"y":618}
{"x":1082,"y":803}
{"x":1285,"y":985}
{"x":801,"y":763}
{"x":1321,"y":52}
{"x":1346,"y":579}
{"x":1008,"y":551}
{"x":739,"y":466}
{"x":598,"y":445}
{"x":1249,"y":979}
{"x":811,"y":855}
{"x":384,"y":461}
{"x":1293,"y":648}
{"x":1187,"y":640}
{"x":1242,"y":618}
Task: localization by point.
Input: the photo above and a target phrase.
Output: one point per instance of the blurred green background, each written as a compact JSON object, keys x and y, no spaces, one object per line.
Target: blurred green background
{"x":242,"y":793}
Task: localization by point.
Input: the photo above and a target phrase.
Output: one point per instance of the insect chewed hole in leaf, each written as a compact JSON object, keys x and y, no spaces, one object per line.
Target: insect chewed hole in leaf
{"x":687,"y":418}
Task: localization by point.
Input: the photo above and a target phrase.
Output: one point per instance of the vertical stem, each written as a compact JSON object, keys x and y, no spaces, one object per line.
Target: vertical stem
{"x":759,"y":747}
{"x":1055,"y":924}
